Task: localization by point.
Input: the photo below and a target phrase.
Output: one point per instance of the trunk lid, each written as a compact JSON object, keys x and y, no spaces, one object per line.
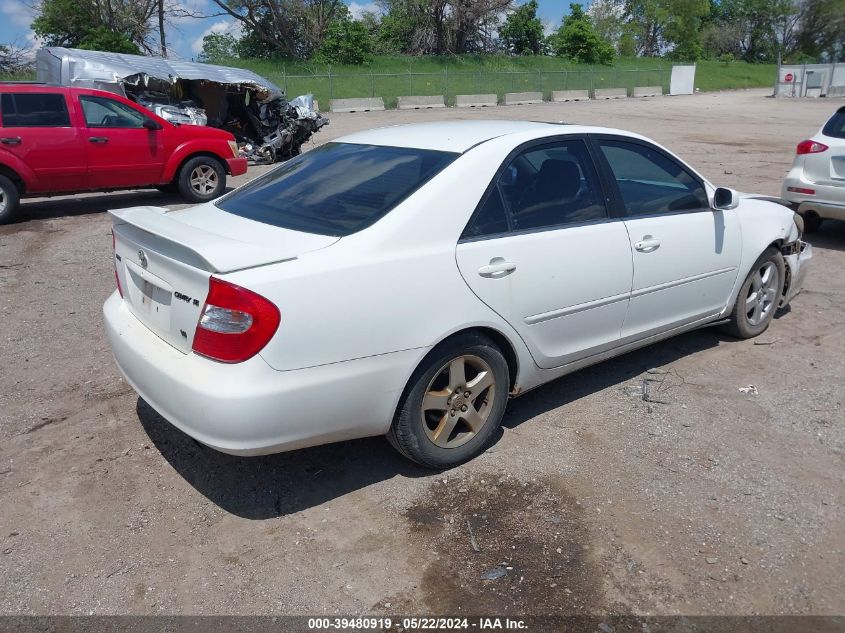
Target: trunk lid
{"x":164,"y":260}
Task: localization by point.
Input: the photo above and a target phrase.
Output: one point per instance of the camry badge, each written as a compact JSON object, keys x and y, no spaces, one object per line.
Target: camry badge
{"x":142,"y":257}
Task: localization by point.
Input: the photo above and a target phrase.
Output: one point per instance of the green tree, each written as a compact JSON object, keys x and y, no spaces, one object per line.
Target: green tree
{"x":522,"y":32}
{"x":218,"y":47}
{"x":119,"y":26}
{"x":577,"y":40}
{"x":347,"y":41}
{"x":683,"y":25}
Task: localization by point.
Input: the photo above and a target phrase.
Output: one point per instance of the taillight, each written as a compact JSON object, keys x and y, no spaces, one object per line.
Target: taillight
{"x":810,"y":147}
{"x":804,"y":190}
{"x":235,"y":323}
{"x":114,"y":261}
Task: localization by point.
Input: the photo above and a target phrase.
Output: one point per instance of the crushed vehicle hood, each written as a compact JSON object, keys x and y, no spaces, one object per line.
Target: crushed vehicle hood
{"x":267,"y":126}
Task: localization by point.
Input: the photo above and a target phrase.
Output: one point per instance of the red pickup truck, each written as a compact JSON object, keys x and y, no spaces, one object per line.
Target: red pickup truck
{"x":56,"y":139}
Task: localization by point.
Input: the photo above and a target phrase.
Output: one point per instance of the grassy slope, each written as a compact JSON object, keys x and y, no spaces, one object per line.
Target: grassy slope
{"x":389,"y":77}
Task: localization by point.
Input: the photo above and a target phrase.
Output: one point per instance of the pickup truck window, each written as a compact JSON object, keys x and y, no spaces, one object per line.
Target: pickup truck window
{"x":102,"y":112}
{"x":34,"y":109}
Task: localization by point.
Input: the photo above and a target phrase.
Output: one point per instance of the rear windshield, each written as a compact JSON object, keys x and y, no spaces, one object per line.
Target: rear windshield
{"x":336,"y":189}
{"x":836,"y":126}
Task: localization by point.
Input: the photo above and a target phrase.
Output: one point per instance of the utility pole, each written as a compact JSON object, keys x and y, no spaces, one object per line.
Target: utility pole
{"x":161,"y":36}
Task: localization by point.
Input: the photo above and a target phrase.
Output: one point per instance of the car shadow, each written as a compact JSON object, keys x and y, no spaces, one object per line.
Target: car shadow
{"x":90,"y":203}
{"x":278,"y":485}
{"x":831,"y":236}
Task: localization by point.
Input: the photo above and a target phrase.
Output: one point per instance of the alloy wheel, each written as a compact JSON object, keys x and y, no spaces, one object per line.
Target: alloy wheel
{"x":203,"y":180}
{"x":762,"y":294}
{"x":457,"y":403}
{"x":3,"y":201}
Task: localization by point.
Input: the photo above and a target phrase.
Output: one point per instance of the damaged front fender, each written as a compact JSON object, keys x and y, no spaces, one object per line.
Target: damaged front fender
{"x":797,"y":256}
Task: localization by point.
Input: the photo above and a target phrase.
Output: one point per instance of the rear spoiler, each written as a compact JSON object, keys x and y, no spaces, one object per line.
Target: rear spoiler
{"x":208,"y":251}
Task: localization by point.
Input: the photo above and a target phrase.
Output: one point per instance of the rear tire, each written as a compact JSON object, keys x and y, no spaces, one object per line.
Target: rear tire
{"x":201,"y":179}
{"x":812,"y":222}
{"x":759,"y":296}
{"x":9,"y":200}
{"x":437,"y":425}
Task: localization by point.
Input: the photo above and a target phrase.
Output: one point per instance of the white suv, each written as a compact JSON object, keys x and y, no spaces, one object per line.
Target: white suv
{"x":816,"y":183}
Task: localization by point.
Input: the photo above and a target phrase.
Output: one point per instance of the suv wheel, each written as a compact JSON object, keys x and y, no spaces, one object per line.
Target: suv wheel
{"x":9,"y":200}
{"x":202,"y":179}
{"x":812,"y":221}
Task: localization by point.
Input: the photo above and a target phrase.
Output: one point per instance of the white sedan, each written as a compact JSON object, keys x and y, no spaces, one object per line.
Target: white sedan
{"x":405,"y":281}
{"x":816,"y":183}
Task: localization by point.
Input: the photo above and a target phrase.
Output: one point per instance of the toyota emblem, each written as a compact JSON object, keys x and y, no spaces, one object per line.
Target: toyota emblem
{"x":142,"y":257}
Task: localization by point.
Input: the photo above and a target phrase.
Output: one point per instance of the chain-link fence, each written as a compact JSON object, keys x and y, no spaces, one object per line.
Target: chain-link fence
{"x":450,"y":83}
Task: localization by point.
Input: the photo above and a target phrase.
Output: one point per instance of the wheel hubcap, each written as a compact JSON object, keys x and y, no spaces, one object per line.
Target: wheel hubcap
{"x":203,"y":180}
{"x":762,"y":294}
{"x":2,"y":201}
{"x":458,"y":401}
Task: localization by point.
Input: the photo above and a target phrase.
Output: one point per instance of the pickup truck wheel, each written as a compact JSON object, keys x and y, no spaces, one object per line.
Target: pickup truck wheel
{"x":759,"y":296}
{"x":9,"y":200}
{"x":202,"y":179}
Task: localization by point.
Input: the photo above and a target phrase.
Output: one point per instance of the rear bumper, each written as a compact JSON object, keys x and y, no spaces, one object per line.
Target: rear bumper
{"x":250,"y":408}
{"x":828,"y":201}
{"x":236,"y":166}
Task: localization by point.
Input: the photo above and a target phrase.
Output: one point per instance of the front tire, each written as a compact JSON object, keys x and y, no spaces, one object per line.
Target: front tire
{"x":9,"y":200}
{"x":759,"y":296}
{"x":201,"y":179}
{"x":453,"y":404}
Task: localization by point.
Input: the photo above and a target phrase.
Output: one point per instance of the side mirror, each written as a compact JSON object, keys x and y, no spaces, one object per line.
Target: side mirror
{"x":151,"y":124}
{"x":725,"y":199}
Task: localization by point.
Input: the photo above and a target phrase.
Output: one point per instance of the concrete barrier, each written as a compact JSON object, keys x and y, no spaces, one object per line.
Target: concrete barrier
{"x":475,"y":101}
{"x":357,"y":105}
{"x":523,"y":98}
{"x":570,"y":95}
{"x":611,"y":93}
{"x":648,"y":91}
{"x":417,"y":103}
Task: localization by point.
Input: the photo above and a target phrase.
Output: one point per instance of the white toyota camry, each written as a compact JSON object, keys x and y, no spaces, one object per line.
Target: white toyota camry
{"x":405,"y":281}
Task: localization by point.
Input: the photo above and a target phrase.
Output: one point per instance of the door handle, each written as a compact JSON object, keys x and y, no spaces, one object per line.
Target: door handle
{"x":11,"y":140}
{"x":497,"y":268}
{"x":648,"y":244}
{"x":99,"y":139}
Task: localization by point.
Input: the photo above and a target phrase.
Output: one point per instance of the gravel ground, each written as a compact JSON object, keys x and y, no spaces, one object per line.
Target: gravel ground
{"x":711,"y":501}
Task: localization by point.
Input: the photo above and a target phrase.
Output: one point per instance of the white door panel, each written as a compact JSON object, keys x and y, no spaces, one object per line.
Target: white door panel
{"x":565,"y":291}
{"x":689,"y":273}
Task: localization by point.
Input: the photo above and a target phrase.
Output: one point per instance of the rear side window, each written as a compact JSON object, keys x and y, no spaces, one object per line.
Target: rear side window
{"x":651,"y":182}
{"x":34,"y":109}
{"x":836,"y":126}
{"x":337,"y":189}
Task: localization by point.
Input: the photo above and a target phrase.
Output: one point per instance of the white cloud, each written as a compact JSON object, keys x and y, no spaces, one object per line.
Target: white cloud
{"x":18,"y":13}
{"x":222,"y":26}
{"x":549,"y":27}
{"x":358,"y":10}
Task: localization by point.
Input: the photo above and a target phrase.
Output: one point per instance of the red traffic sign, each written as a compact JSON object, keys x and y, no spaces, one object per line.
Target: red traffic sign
{"x":789,"y":77}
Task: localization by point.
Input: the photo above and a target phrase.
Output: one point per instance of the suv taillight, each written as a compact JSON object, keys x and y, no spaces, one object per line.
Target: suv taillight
{"x":114,"y":261}
{"x":810,"y":147}
{"x":235,"y":323}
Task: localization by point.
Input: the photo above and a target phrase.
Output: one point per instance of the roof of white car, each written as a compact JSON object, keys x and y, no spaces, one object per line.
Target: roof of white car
{"x":459,"y":136}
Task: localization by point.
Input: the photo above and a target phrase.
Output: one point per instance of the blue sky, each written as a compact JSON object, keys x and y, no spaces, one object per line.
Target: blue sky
{"x":185,"y":37}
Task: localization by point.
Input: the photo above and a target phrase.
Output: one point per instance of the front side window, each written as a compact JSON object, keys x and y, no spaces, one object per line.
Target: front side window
{"x":34,"y":109}
{"x":101,"y":112}
{"x":836,"y":126}
{"x":543,"y":187}
{"x":651,"y":182}
{"x":336,"y":189}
